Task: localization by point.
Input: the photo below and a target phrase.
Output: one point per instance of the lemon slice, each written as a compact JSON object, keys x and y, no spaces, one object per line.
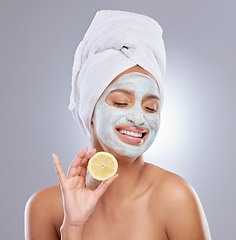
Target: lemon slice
{"x":102,"y":166}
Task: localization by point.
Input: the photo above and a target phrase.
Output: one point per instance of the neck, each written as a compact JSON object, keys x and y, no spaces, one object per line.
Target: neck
{"x":130,"y":171}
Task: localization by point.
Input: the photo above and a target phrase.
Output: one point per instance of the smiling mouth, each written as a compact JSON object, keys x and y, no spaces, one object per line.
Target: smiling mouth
{"x":132,"y":135}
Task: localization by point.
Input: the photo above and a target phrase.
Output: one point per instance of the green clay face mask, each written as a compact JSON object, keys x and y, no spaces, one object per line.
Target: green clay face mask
{"x":129,"y":131}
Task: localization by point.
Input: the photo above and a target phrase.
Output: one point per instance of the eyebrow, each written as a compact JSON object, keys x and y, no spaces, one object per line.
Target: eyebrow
{"x":150,"y":96}
{"x":123,"y":91}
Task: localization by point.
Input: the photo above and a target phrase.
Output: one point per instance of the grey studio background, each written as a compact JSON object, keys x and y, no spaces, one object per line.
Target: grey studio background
{"x":197,"y":135}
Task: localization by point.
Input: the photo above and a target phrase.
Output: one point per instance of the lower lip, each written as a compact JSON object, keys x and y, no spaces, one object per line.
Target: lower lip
{"x":129,"y":139}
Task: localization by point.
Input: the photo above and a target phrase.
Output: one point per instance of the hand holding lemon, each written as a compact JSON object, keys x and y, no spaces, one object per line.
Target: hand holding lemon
{"x":78,"y":200}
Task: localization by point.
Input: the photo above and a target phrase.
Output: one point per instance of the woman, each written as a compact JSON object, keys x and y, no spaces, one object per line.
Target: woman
{"x":121,"y":115}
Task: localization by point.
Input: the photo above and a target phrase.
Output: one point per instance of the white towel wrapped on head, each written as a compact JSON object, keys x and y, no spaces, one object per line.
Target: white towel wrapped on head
{"x":114,"y":42}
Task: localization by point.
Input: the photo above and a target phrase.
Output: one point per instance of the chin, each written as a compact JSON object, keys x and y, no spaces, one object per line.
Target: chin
{"x":120,"y":149}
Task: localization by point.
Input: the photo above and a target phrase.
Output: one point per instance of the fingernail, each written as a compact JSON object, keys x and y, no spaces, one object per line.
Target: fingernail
{"x":53,"y":155}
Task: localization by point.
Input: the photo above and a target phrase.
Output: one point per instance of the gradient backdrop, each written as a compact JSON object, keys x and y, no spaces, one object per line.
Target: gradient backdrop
{"x":197,"y":135}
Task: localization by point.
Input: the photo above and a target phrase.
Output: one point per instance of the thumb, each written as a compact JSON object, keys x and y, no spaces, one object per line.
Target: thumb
{"x":100,"y":190}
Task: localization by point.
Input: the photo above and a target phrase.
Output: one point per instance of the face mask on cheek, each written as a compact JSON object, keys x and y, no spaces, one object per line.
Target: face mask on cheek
{"x":107,"y":118}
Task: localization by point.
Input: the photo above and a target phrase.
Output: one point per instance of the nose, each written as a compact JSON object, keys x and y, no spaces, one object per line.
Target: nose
{"x":136,"y":117}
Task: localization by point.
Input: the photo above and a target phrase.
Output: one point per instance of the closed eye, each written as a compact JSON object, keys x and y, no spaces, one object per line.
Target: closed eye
{"x":120,"y":104}
{"x":151,"y":109}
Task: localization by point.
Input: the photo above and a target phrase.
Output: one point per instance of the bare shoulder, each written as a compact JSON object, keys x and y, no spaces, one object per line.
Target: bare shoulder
{"x":48,"y":192}
{"x":42,"y":211}
{"x":170,"y":183}
{"x":45,"y":200}
{"x":177,"y":203}
{"x":162,"y":177}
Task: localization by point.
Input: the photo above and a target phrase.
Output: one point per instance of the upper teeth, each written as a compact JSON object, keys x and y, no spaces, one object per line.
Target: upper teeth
{"x":133,"y":134}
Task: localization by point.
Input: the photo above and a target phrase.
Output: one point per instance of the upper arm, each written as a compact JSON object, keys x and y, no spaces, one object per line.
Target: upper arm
{"x":38,"y":218}
{"x":185,"y":218}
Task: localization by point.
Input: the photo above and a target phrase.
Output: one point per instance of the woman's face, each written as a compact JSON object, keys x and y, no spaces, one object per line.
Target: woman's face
{"x":126,"y":117}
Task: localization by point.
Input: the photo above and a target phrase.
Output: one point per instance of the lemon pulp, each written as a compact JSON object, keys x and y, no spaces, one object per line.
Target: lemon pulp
{"x":102,"y":166}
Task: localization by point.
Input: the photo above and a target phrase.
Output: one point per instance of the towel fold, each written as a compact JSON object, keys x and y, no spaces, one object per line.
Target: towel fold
{"x":114,"y":42}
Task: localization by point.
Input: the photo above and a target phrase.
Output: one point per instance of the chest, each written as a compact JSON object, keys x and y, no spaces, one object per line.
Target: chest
{"x":132,"y":222}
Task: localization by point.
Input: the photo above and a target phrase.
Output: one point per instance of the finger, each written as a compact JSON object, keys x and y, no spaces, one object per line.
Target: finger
{"x":81,"y":183}
{"x":83,"y":171}
{"x":61,"y":175}
{"x":84,"y":162}
{"x":73,"y":169}
{"x":100,"y":190}
{"x":88,"y":156}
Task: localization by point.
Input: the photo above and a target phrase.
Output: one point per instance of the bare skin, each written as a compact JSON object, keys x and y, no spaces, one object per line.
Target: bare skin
{"x":142,"y":202}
